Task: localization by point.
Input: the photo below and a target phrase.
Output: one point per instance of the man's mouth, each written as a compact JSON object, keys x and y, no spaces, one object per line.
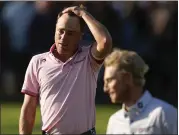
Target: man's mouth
{"x":63,"y":44}
{"x":111,"y":93}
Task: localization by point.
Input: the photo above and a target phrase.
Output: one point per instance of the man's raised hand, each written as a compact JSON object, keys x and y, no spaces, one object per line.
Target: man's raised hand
{"x":78,"y":10}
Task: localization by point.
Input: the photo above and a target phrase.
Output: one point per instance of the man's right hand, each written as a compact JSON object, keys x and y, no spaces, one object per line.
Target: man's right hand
{"x":79,"y":11}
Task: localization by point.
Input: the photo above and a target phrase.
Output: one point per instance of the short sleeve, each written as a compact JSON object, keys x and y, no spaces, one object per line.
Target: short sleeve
{"x":31,"y":85}
{"x":95,"y":64}
{"x":109,"y":126}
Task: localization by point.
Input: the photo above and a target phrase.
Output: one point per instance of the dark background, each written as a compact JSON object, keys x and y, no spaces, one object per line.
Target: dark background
{"x":149,"y":28}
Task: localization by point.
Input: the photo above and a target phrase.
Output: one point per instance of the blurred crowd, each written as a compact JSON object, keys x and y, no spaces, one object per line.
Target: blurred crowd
{"x":149,"y":28}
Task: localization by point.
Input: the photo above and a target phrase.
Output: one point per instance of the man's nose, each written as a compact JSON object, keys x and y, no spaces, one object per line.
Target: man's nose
{"x":64,"y":36}
{"x":105,"y":88}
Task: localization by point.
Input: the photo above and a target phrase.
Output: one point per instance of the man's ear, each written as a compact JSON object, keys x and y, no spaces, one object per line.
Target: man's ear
{"x":127,"y":77}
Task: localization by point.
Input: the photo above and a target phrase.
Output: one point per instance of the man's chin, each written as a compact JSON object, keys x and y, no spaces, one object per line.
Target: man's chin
{"x":114,"y":101}
{"x":63,"y":51}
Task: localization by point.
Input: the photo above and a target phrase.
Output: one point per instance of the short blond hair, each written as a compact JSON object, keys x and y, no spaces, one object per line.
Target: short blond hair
{"x":128,"y":61}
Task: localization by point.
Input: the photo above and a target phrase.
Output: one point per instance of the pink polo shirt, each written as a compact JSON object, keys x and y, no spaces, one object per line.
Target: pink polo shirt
{"x":66,"y":90}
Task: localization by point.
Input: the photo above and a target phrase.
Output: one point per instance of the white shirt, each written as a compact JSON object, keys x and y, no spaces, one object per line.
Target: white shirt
{"x":148,"y":116}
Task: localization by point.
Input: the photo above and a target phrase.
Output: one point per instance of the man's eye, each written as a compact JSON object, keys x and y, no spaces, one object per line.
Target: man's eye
{"x":60,"y":31}
{"x":109,"y":80}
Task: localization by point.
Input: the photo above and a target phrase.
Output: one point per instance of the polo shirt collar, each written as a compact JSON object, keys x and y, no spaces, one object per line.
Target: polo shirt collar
{"x":53,"y":47}
{"x":140,"y":104}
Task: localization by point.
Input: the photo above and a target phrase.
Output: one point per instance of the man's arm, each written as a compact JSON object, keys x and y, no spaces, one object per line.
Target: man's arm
{"x":103,"y":39}
{"x":27,"y":115}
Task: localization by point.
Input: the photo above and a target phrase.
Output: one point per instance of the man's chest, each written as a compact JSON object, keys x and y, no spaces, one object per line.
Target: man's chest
{"x":75,"y":74}
{"x":52,"y":73}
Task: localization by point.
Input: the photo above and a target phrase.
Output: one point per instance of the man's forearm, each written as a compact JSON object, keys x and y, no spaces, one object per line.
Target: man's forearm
{"x":26,"y":123}
{"x":98,"y":30}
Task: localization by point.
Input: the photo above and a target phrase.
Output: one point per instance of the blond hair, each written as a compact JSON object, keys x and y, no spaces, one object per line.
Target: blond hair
{"x":128,"y":61}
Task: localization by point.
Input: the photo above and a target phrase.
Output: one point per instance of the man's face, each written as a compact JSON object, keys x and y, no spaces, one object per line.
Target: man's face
{"x":115,"y":85}
{"x":67,"y":34}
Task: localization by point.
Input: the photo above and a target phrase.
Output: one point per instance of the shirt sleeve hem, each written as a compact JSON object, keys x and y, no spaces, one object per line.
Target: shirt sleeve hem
{"x":97,"y":61}
{"x":29,"y":93}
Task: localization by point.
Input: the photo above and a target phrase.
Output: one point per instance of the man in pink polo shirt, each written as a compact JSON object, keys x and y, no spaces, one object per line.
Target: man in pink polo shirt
{"x":64,"y":79}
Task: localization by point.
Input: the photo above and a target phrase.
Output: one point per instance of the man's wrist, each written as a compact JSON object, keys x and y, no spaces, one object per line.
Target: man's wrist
{"x":84,"y":13}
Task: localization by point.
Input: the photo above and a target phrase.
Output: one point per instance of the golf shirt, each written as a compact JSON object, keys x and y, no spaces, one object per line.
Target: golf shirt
{"x":66,"y":90}
{"x":148,"y":116}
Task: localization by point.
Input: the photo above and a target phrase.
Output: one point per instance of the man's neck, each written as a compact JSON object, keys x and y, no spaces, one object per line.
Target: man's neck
{"x":134,"y":95}
{"x":63,"y":56}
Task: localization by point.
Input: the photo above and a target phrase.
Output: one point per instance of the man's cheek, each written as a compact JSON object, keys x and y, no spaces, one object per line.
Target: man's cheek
{"x":115,"y":86}
{"x":57,"y":37}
